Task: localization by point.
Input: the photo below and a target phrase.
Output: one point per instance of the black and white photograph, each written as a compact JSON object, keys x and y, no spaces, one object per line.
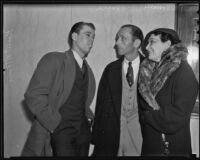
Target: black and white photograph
{"x":93,"y":80}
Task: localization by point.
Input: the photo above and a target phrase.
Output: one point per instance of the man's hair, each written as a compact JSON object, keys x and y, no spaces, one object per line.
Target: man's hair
{"x":136,"y":32}
{"x":76,"y":28}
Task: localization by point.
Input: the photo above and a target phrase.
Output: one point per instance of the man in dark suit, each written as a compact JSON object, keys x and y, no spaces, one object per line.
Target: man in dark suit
{"x":116,"y":130}
{"x":59,"y":95}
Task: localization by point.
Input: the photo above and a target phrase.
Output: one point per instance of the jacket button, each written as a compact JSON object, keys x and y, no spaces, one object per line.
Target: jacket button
{"x":102,"y":131}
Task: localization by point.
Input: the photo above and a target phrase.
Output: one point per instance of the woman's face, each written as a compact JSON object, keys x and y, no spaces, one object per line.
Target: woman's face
{"x":155,"y":47}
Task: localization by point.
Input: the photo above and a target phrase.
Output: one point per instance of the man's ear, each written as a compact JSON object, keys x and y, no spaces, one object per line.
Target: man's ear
{"x":74,"y":36}
{"x":137,"y":43}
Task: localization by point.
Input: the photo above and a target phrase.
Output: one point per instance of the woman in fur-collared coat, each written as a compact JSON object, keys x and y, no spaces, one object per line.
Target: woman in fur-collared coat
{"x":167,"y":93}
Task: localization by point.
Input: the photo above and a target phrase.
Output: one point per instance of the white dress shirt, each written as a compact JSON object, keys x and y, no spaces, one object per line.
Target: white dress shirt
{"x":135,"y":65}
{"x":78,"y":59}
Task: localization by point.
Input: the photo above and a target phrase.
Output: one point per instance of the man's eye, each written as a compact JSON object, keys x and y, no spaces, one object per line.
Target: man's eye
{"x":124,"y":38}
{"x":88,"y":35}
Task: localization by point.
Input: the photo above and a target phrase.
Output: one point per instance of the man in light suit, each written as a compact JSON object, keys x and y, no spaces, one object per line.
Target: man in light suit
{"x":59,"y":95}
{"x":116,"y":129}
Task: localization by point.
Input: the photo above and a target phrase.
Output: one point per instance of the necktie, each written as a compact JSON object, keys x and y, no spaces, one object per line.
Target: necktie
{"x":84,"y":67}
{"x":129,"y":75}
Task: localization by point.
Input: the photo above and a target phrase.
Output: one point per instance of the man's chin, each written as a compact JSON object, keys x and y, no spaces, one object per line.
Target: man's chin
{"x":86,"y":54}
{"x":120,"y":53}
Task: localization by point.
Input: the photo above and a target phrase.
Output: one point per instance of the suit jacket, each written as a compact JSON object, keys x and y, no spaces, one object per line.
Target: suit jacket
{"x":176,"y":100}
{"x":106,"y":128}
{"x":49,"y":88}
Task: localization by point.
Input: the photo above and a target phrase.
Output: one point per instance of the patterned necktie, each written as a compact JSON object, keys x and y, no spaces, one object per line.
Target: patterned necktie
{"x":129,"y":75}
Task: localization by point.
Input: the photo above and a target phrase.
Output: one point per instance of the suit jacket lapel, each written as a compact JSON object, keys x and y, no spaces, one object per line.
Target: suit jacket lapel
{"x":69,"y":78}
{"x":91,"y":86}
{"x":141,"y":59}
{"x":115,"y":83}
{"x":69,"y":75}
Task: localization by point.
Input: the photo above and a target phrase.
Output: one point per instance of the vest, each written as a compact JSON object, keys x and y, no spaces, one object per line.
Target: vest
{"x":73,"y":110}
{"x":130,"y":131}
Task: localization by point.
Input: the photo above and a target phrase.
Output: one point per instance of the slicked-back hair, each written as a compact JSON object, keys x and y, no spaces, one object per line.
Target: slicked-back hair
{"x":136,"y":32}
{"x":76,"y":28}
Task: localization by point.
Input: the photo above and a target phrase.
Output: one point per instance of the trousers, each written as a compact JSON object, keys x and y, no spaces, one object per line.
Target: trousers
{"x":70,"y":142}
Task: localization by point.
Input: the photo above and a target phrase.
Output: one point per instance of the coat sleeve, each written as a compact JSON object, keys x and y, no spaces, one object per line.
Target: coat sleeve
{"x":38,"y":91}
{"x":170,"y":118}
{"x":98,"y":108}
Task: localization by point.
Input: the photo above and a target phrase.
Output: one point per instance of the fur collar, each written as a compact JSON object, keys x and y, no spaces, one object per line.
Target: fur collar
{"x":153,"y":75}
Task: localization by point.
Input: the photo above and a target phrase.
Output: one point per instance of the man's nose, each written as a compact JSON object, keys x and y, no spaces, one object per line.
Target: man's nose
{"x":92,"y":38}
{"x":116,"y":45}
{"x":117,"y":42}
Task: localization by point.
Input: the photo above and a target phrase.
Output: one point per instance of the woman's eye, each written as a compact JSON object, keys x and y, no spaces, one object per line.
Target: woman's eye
{"x":151,"y":42}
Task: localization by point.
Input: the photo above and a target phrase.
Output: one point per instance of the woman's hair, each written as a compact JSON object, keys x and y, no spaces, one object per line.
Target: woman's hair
{"x":165,"y":35}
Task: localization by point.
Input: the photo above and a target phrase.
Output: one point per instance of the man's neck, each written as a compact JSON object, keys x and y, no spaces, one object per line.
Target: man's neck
{"x":78,"y":52}
{"x":132,"y":56}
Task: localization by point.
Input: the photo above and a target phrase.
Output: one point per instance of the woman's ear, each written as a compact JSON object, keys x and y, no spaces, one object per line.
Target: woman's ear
{"x":168,"y":43}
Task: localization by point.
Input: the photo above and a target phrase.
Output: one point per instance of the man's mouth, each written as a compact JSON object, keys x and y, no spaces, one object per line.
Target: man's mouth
{"x":90,"y":45}
{"x":118,"y":49}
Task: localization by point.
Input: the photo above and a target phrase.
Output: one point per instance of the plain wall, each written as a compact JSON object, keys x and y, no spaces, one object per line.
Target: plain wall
{"x":30,"y":31}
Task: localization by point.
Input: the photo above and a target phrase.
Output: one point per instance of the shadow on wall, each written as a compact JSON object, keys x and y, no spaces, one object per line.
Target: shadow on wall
{"x":27,"y":112}
{"x":30,"y":117}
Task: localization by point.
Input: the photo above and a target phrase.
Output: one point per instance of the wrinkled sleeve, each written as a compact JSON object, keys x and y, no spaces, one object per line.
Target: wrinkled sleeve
{"x":36,"y":96}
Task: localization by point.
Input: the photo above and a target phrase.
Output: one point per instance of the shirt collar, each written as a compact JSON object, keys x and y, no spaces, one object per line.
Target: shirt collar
{"x":78,"y":58}
{"x":135,"y":61}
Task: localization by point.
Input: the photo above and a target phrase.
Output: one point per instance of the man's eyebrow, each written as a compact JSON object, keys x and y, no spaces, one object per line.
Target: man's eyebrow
{"x":87,"y":32}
